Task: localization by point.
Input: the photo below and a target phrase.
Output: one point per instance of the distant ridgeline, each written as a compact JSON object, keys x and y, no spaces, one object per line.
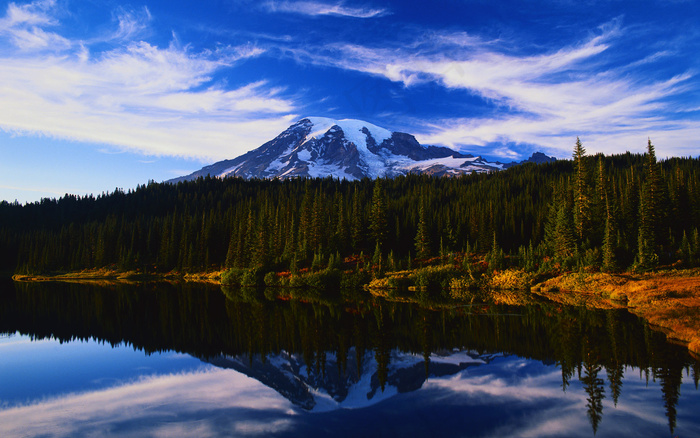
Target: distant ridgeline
{"x":610,"y":213}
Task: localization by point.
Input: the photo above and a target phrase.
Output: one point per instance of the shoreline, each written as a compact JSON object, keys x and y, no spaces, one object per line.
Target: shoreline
{"x":110,"y":275}
{"x":669,"y":301}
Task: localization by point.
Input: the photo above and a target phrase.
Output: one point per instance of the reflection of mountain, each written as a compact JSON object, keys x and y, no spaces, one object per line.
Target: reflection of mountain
{"x":332,"y":385}
{"x":201,"y":321}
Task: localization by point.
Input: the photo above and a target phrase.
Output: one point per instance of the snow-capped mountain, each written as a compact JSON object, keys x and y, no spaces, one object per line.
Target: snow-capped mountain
{"x":328,"y":386}
{"x":350,"y":149}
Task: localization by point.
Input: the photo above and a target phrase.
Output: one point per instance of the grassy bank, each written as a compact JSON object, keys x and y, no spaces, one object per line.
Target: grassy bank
{"x":114,"y":275}
{"x":669,"y":300}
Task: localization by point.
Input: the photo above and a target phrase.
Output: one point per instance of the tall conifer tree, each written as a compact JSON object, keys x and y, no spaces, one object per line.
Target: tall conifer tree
{"x":422,"y":239}
{"x":582,"y":195}
{"x":378,"y":216}
{"x":650,"y":206}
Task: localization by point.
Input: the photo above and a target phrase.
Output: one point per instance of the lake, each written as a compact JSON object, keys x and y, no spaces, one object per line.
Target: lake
{"x":162,"y":359}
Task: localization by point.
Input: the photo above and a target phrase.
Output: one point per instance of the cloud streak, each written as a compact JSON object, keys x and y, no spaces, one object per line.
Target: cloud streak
{"x":321,"y":9}
{"x":544,"y":99}
{"x":168,"y":405}
{"x":140,"y":97}
{"x":24,"y":26}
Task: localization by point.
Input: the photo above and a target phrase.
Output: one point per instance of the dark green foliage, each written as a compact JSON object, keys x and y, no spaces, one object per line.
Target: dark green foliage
{"x":651,"y":213}
{"x":609,"y":240}
{"x":582,"y":213}
{"x":639,"y":210}
{"x":422,"y":239}
{"x":378,"y":224}
{"x":495,"y":258}
{"x":327,"y":279}
{"x":434,"y":277}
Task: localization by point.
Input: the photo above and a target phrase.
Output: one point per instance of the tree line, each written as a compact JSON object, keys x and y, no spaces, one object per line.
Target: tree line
{"x":610,"y":213}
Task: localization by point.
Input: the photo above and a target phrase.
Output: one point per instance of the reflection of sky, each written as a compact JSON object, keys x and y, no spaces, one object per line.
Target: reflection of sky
{"x":35,"y":369}
{"x":175,"y":395}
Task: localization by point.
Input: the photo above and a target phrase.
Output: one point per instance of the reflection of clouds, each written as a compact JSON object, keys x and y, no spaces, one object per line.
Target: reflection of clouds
{"x":534,"y":404}
{"x":260,"y":427}
{"x":191,"y":404}
{"x":11,"y":342}
{"x":504,"y":387}
{"x":507,"y":396}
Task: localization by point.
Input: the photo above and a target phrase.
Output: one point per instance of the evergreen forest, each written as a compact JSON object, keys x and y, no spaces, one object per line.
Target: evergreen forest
{"x":592,"y":213}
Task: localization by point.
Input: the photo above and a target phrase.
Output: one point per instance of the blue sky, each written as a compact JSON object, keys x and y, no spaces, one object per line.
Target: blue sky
{"x":99,"y":94}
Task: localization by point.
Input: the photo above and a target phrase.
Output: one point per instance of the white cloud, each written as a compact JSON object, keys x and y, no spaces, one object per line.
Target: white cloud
{"x":131,"y":23}
{"x":545,"y":99}
{"x":23,"y":25}
{"x":317,"y":8}
{"x":169,"y":405}
{"x":143,"y":98}
{"x":31,"y":14}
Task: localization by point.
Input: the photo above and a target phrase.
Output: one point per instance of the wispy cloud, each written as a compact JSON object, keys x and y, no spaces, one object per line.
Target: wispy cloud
{"x":147,"y":407}
{"x":318,"y":8}
{"x":131,"y":23}
{"x":25,"y":26}
{"x":137,"y":96}
{"x":544,"y":99}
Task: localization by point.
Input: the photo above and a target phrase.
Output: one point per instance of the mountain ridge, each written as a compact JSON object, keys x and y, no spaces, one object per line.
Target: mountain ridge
{"x":348,"y":149}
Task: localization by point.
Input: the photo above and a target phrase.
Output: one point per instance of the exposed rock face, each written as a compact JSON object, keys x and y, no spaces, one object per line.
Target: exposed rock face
{"x":350,"y":149}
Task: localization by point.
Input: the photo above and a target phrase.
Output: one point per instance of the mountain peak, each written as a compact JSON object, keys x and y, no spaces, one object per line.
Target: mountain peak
{"x":346,"y":148}
{"x":355,"y":131}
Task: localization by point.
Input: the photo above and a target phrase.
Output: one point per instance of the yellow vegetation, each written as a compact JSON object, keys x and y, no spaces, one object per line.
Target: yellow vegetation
{"x":509,"y":279}
{"x":668,"y":299}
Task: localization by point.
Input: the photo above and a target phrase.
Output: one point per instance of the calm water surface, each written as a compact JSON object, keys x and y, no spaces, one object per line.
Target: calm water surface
{"x":196,"y":360}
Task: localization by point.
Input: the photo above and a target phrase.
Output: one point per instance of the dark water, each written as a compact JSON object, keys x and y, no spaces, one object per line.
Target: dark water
{"x":195,"y":360}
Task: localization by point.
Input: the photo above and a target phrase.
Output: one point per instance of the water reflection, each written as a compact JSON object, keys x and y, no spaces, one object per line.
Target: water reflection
{"x":164,"y":405}
{"x":541,"y":369}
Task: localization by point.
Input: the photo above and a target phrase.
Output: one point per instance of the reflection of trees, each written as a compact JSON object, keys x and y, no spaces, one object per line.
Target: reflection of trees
{"x":567,"y":347}
{"x":615,"y":374}
{"x":670,"y":374}
{"x":202,"y":321}
{"x":426,"y":330}
{"x":382,"y":346}
{"x":595,"y":389}
{"x":671,"y":389}
{"x":613,"y":365}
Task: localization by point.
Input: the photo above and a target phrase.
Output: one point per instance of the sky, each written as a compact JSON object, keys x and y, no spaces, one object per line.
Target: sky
{"x":103,"y":94}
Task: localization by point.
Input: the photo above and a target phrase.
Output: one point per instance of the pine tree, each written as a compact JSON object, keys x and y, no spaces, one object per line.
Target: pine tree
{"x":340,"y":236}
{"x":378,"y":216}
{"x":600,"y":207}
{"x":565,"y":243}
{"x":495,"y":258}
{"x":609,"y":240}
{"x":318,"y":228}
{"x":231,"y":252}
{"x":422,"y":240}
{"x":582,"y":196}
{"x":650,"y":205}
{"x":646,"y":256}
{"x":560,"y":237}
{"x":357,"y":226}
{"x":685,"y":251}
{"x":377,"y":262}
